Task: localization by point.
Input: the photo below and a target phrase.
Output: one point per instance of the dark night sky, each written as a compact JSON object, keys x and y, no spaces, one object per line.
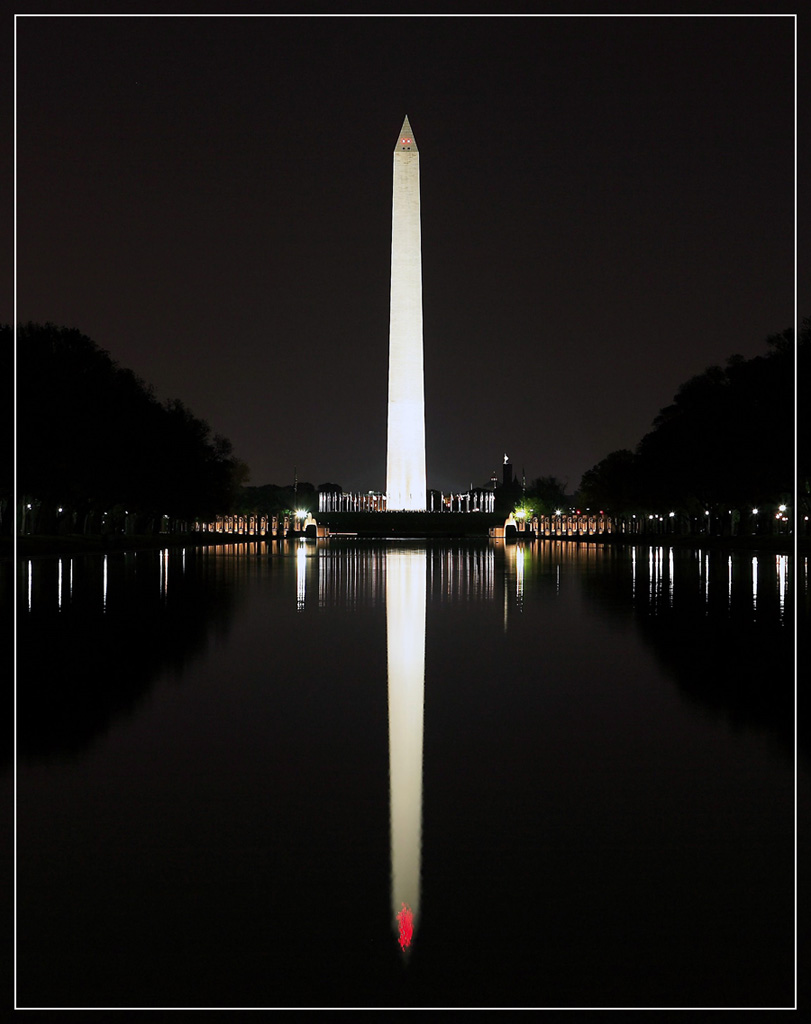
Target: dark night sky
{"x":607,"y":209}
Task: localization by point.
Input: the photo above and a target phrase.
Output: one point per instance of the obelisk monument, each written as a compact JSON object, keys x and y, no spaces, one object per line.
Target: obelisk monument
{"x":405,"y":455}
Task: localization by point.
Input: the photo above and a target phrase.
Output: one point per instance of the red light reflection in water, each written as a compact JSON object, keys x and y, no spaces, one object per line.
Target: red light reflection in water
{"x":406,"y":922}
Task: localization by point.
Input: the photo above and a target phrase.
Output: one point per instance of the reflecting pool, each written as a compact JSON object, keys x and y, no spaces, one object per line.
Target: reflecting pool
{"x":347,"y":773}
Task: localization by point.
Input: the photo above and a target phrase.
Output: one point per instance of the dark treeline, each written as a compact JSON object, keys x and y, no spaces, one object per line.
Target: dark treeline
{"x":273,"y":499}
{"x":725,"y":444}
{"x":97,"y":452}
{"x":545,"y":495}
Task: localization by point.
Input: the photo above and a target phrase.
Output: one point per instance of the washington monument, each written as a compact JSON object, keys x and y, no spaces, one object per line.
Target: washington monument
{"x":405,"y":455}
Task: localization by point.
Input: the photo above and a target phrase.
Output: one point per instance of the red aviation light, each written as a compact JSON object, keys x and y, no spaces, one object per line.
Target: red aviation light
{"x":406,"y":140}
{"x":406,"y":921}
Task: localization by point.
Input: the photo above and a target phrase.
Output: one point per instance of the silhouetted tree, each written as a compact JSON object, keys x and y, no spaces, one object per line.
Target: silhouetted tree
{"x":266,"y":499}
{"x":93,"y":441}
{"x":612,"y":484}
{"x":547,"y":494}
{"x":271,"y":499}
{"x":727,"y":436}
{"x":725,"y":440}
{"x":306,"y":496}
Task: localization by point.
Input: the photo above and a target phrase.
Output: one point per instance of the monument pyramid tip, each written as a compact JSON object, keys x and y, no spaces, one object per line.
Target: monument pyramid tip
{"x":406,"y":140}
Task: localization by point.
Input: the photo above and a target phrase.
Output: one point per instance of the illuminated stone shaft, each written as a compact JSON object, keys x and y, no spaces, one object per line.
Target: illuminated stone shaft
{"x":405,"y":466}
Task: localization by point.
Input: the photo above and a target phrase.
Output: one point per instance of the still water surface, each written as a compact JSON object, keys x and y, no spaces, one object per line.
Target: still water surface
{"x":360,"y":774}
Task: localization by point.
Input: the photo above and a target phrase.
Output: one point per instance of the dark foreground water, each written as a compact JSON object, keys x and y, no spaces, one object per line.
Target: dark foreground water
{"x":361,"y":774}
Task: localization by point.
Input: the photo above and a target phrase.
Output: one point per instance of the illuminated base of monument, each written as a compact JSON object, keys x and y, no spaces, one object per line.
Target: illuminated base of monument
{"x":436,"y":501}
{"x":409,"y":524}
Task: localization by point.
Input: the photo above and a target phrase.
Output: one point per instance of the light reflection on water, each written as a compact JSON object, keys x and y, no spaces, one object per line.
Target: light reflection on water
{"x":536,"y":594}
{"x":782,"y":581}
{"x":358,"y":577}
{"x":163,"y":574}
{"x":301,"y":576}
{"x":754,"y":581}
{"x":405,"y":641}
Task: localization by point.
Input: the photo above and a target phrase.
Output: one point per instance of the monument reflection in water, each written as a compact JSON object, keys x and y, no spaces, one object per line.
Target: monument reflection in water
{"x":405,"y":638}
{"x":608,"y":761}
